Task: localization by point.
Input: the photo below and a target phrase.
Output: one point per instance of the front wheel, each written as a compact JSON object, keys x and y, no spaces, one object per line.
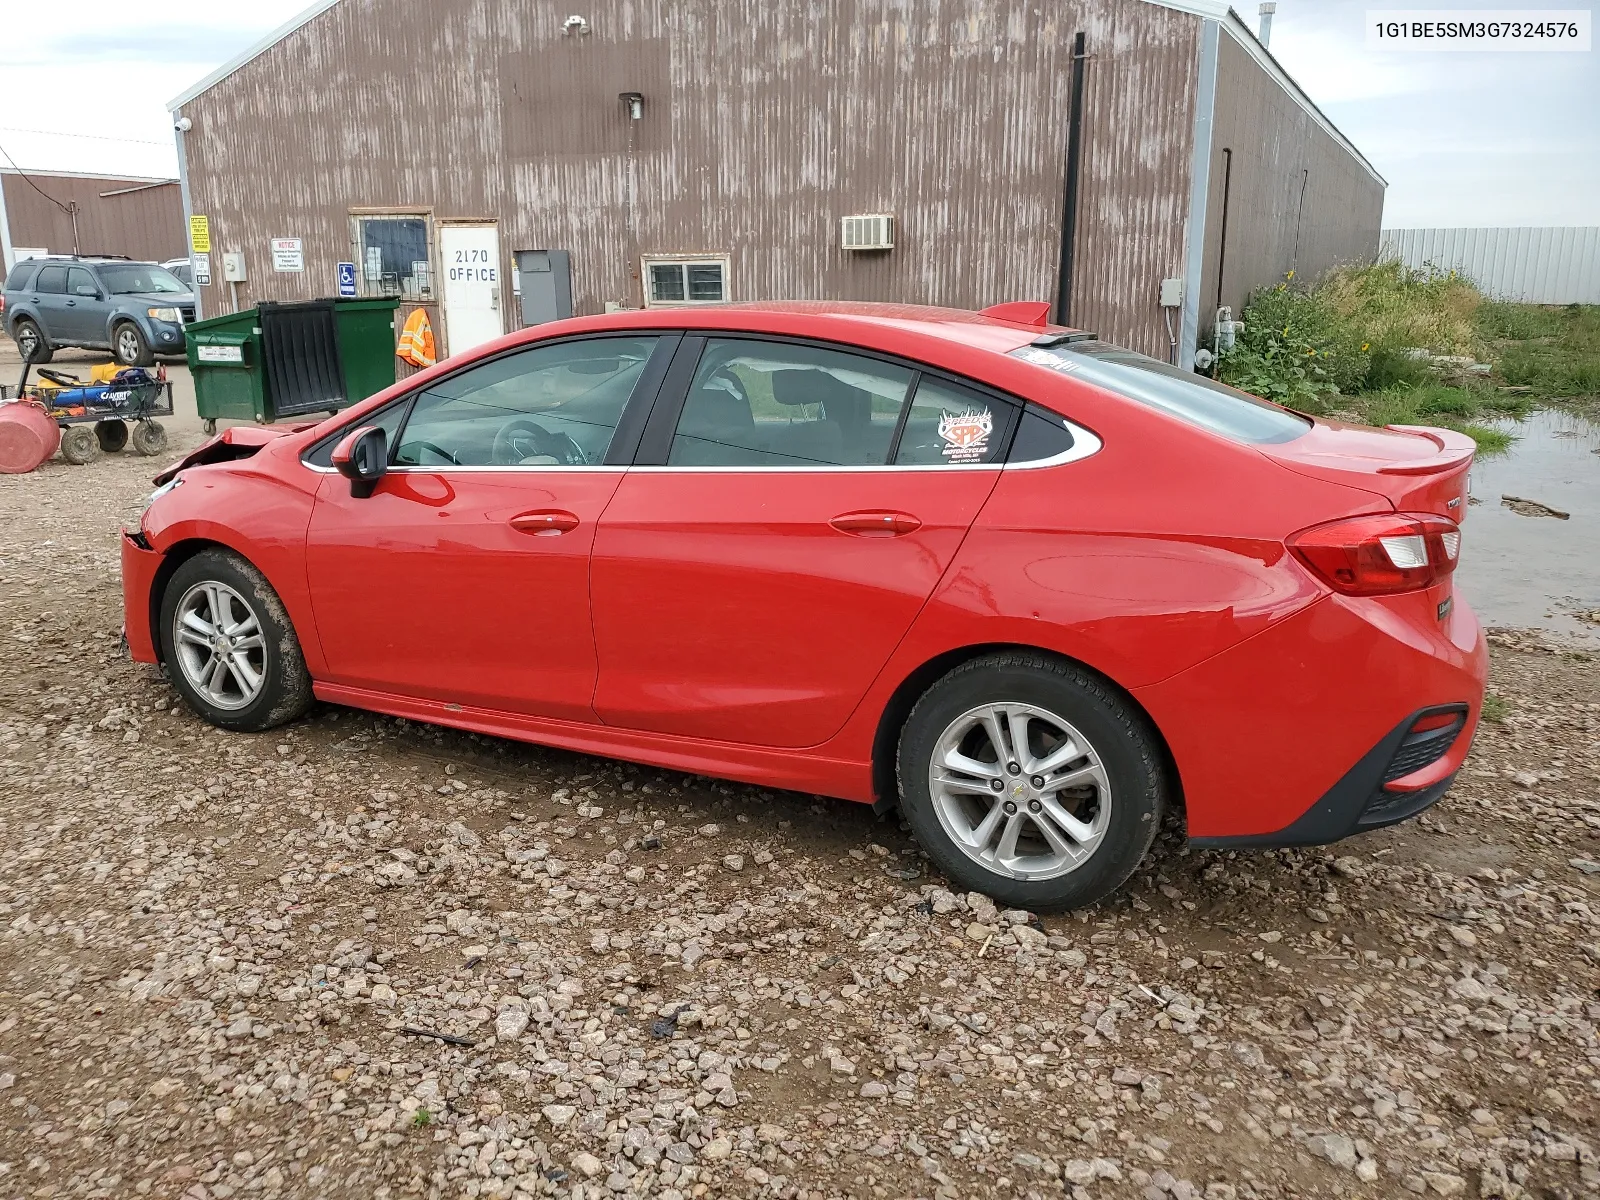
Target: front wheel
{"x":128,"y":346}
{"x":149,"y":437}
{"x":112,"y":434}
{"x":228,"y":644}
{"x":1031,"y":780}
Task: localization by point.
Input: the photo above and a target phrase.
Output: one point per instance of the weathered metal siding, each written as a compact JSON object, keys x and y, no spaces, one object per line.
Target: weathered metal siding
{"x":1534,"y":265}
{"x":1297,"y":200}
{"x":764,"y":123}
{"x":145,"y":224}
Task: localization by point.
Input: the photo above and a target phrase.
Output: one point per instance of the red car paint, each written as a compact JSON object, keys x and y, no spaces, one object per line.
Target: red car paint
{"x":763,"y":626}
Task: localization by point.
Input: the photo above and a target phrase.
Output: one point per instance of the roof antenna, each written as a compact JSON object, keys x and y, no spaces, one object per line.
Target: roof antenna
{"x":1266,"y":10}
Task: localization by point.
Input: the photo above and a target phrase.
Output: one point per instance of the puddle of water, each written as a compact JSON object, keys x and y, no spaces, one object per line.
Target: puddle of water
{"x":1536,"y":571}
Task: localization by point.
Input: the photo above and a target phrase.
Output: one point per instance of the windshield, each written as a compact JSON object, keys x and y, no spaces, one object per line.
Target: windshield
{"x":124,"y":279}
{"x":1183,"y":394}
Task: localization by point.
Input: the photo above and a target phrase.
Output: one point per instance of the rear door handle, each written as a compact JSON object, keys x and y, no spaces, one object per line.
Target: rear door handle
{"x":876,"y":524}
{"x":547,"y":521}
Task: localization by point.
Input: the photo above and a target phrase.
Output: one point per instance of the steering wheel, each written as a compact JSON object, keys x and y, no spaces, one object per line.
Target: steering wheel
{"x":439,"y":450}
{"x":521,"y":439}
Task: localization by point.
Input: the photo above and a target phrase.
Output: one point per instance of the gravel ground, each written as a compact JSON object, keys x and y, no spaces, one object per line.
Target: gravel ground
{"x":359,"y":957}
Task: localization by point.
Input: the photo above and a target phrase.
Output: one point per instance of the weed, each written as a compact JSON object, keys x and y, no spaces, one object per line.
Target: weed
{"x":1490,"y":441}
{"x":1495,"y":708}
{"x":422,"y":1118}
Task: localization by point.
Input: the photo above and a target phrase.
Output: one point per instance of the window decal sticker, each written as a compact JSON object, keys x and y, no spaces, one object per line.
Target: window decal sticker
{"x":1044,"y":358}
{"x":966,"y":434}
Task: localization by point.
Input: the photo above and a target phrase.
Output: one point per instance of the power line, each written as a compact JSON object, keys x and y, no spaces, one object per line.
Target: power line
{"x":29,"y":179}
{"x":93,"y":137}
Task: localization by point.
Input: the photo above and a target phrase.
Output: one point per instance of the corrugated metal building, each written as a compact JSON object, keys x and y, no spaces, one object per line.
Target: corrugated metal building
{"x":699,"y":150}
{"x":1532,"y":264}
{"x":89,"y":214}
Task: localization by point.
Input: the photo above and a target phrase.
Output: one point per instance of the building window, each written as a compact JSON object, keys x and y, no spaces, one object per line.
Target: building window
{"x":393,"y":256}
{"x":674,"y":282}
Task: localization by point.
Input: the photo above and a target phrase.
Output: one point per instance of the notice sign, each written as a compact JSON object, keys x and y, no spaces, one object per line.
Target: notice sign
{"x":202,"y":269}
{"x":288,"y":254}
{"x":200,"y":234}
{"x":219,"y":354}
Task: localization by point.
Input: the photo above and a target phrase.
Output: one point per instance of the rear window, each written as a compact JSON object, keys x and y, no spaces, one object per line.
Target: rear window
{"x":1193,"y":398}
{"x":20,"y":275}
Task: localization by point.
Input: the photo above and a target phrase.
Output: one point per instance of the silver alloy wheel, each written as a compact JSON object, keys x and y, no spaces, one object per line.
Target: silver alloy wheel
{"x":27,"y":340}
{"x":219,"y":645}
{"x":128,"y":344}
{"x":1020,"y":791}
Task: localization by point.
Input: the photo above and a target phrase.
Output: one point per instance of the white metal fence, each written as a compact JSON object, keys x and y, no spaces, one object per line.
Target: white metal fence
{"x":1550,"y":265}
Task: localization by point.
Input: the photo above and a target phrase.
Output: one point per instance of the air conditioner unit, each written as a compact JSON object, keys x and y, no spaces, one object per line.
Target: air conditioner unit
{"x":869,"y":231}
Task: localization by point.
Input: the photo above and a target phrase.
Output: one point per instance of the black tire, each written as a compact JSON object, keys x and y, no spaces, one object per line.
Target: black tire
{"x":78,"y":444}
{"x":24,"y":332}
{"x":285,"y":688}
{"x":129,"y":347}
{"x":112,"y":434}
{"x":1129,"y":755}
{"x":149,"y":437}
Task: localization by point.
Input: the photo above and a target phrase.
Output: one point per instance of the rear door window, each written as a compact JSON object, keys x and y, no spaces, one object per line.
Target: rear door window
{"x":755,"y":403}
{"x":52,"y":280}
{"x":1212,"y":406}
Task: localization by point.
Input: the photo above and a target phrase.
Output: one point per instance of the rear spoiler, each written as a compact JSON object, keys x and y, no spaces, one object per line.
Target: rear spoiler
{"x":1453,"y":450}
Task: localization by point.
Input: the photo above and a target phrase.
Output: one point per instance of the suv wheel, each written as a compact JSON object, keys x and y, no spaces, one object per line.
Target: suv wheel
{"x":228,"y":644}
{"x":1030,"y":780}
{"x":128,"y":346}
{"x":31,"y":343}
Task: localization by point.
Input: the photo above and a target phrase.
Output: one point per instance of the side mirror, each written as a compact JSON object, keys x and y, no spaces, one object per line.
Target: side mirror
{"x":362,"y":457}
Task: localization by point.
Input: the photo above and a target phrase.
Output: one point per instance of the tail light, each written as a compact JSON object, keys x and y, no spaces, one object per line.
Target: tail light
{"x":1382,"y":554}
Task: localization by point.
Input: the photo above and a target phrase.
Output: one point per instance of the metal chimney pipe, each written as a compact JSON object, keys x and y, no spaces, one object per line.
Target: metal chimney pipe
{"x":1266,"y":10}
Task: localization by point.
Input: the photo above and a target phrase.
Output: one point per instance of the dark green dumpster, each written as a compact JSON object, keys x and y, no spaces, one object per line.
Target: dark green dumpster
{"x":366,"y":344}
{"x":294,"y":359}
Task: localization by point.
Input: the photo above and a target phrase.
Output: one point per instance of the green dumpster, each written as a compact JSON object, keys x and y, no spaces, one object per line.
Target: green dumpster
{"x":295,"y":359}
{"x":366,"y":344}
{"x":224,"y":361}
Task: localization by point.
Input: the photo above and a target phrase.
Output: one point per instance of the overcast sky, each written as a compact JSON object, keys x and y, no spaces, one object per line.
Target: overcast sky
{"x":1463,"y":139}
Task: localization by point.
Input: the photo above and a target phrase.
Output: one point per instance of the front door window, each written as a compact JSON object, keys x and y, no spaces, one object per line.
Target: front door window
{"x":549,"y":406}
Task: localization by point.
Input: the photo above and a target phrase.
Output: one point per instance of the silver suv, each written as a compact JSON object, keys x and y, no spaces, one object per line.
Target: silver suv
{"x":136,"y":310}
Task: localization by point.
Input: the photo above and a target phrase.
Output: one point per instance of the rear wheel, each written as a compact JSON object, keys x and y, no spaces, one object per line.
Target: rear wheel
{"x":112,"y":434}
{"x":1031,"y":780}
{"x":129,"y":348}
{"x":78,"y":444}
{"x":31,"y":343}
{"x":228,"y":644}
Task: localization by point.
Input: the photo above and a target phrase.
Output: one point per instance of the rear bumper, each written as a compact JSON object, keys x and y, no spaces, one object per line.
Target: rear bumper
{"x":139,"y":566}
{"x":1292,"y":737}
{"x":1373,"y":794}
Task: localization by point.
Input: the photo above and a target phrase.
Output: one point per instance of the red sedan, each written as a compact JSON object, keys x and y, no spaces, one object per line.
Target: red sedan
{"x":1031,"y":588}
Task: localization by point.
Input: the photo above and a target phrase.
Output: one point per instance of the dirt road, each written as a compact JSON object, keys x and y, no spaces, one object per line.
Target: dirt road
{"x":363,"y":958}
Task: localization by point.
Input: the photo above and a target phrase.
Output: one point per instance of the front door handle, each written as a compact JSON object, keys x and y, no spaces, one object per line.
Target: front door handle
{"x":876,"y":524}
{"x":546,"y":521}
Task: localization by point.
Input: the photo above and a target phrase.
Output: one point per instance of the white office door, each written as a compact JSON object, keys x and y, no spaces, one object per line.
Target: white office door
{"x":471,"y":285}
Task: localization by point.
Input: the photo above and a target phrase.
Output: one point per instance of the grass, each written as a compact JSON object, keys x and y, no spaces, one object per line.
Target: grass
{"x":422,"y":1118}
{"x":1356,"y":345}
{"x":1495,"y":708}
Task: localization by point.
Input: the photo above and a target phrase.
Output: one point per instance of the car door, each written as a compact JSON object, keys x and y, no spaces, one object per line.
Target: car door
{"x":50,"y":302}
{"x":84,"y":310}
{"x":464,"y":576}
{"x":792,"y":508}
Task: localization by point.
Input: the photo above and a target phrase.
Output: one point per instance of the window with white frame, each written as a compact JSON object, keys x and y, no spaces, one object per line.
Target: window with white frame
{"x":672,"y":282}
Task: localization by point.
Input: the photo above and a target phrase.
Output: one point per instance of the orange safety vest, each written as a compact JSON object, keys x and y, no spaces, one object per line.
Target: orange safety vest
{"x":416,"y":340}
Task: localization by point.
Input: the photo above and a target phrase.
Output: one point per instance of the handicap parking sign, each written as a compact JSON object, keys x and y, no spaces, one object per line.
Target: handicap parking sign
{"x":347,"y":280}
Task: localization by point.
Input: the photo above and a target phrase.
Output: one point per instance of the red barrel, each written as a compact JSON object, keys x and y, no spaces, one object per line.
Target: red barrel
{"x":28,"y":436}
